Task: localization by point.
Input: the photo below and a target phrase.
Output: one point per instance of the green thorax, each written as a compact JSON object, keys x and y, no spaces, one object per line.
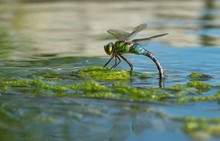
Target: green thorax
{"x":123,"y":47}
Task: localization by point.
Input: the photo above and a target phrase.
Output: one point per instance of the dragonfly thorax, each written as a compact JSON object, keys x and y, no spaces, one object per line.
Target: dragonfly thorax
{"x":121,"y":47}
{"x":109,"y":48}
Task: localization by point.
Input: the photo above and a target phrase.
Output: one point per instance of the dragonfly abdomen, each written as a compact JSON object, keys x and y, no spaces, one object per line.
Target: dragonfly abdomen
{"x":137,"y":49}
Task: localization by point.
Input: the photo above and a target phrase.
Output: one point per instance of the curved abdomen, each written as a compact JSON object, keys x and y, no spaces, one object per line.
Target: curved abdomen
{"x":138,"y":49}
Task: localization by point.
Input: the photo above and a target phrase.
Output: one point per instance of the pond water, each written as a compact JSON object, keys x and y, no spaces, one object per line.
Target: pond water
{"x":62,"y":36}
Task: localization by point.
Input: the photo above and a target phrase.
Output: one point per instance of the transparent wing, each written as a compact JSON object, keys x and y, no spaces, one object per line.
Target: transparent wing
{"x":119,"y":34}
{"x":143,"y":41}
{"x":135,"y":31}
{"x":123,"y":35}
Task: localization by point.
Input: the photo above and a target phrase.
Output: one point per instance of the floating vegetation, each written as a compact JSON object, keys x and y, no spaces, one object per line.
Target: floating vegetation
{"x":139,"y":94}
{"x":198,"y":98}
{"x":102,"y":83}
{"x":143,"y":75}
{"x":199,"y":76}
{"x":100,"y":73}
{"x":202,"y":87}
{"x":90,"y":86}
{"x":200,"y":128}
{"x":100,"y":86}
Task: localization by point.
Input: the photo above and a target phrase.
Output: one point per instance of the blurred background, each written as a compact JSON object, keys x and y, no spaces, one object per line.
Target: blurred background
{"x":42,"y":29}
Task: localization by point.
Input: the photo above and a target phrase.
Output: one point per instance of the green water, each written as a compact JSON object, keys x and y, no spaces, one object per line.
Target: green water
{"x":44,"y":44}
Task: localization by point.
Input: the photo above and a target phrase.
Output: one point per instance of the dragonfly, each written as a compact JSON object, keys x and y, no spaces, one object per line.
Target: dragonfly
{"x":125,"y":45}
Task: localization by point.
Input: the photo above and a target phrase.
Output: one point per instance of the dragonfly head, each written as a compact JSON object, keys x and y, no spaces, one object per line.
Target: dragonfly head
{"x":109,"y":48}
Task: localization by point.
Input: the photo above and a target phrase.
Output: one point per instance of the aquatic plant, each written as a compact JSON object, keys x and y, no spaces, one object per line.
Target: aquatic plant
{"x":201,"y":86}
{"x":199,"y":76}
{"x":100,"y":73}
{"x":200,"y":128}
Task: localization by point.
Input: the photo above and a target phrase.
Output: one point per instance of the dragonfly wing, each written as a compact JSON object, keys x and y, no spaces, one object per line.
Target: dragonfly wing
{"x":135,"y":31}
{"x":119,"y":34}
{"x":143,"y":41}
{"x":125,"y":36}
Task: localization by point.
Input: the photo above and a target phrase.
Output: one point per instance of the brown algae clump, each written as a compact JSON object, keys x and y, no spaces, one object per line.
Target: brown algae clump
{"x":100,"y":73}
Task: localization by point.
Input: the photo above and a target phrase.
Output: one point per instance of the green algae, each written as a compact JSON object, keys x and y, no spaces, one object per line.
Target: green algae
{"x":92,"y":89}
{"x":101,"y":95}
{"x":15,"y":83}
{"x":119,"y":91}
{"x":90,"y":86}
{"x":100,"y":86}
{"x":4,"y":88}
{"x":218,"y":93}
{"x":100,"y":73}
{"x":143,"y":75}
{"x":190,"y":88}
{"x":183,"y":93}
{"x":182,"y":90}
{"x":5,"y":85}
{"x":139,"y":94}
{"x":201,"y":86}
{"x":198,"y":98}
{"x":41,"y":84}
{"x":51,"y":75}
{"x":178,"y":87}
{"x":198,"y":75}
{"x":200,"y":128}
{"x":48,"y":119}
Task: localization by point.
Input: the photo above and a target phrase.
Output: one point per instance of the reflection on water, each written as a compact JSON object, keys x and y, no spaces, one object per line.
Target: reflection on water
{"x":81,"y":119}
{"x":73,"y":28}
{"x":208,"y":15}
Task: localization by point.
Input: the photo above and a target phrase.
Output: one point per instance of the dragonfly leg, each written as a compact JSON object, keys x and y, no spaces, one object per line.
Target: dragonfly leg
{"x":118,"y":62}
{"x":113,"y":55}
{"x":128,"y":63}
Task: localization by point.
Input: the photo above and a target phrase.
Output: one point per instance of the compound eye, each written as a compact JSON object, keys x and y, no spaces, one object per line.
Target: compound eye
{"x":108,"y":48}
